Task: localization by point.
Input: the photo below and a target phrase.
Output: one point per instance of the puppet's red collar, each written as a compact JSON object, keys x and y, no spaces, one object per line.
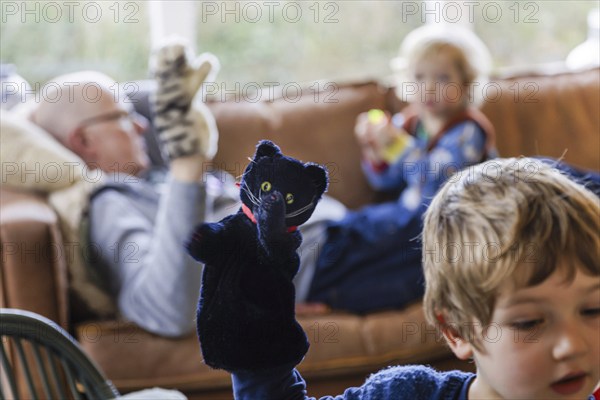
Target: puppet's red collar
{"x":249,"y":214}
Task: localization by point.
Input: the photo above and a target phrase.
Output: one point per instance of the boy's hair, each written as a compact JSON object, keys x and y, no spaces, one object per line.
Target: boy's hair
{"x":469,"y":54}
{"x":507,"y":221}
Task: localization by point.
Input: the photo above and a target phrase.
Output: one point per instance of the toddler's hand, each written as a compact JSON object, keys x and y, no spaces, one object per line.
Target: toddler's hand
{"x":367,"y":134}
{"x":377,"y":136}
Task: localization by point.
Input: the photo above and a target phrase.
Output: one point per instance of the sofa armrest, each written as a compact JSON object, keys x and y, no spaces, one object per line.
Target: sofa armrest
{"x":33,"y":271}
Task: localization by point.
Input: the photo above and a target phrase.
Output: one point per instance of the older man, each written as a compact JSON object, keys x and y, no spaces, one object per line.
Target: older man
{"x":138,"y":226}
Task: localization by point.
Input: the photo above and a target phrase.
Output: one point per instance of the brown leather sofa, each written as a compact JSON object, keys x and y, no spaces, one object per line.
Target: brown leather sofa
{"x":533,"y":114}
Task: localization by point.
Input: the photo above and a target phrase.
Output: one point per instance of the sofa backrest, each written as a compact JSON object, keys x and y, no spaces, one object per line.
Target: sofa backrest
{"x":548,"y":115}
{"x":318,"y":129}
{"x":533,"y":115}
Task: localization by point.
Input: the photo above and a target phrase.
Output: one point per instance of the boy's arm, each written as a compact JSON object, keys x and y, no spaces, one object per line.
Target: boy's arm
{"x":281,"y":383}
{"x":462,"y":146}
{"x":386,"y":176}
{"x":406,"y":382}
{"x":387,"y":172}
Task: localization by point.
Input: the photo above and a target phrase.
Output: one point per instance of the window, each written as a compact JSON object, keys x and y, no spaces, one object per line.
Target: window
{"x":522,"y":33}
{"x":44,"y":39}
{"x":281,"y":41}
{"x":295,"y":41}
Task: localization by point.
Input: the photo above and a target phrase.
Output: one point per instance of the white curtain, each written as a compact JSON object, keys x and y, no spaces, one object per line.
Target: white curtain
{"x":173,"y":18}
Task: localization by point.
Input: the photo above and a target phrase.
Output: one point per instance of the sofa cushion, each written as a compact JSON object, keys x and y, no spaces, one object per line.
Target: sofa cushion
{"x":340,"y":344}
{"x":34,"y":160}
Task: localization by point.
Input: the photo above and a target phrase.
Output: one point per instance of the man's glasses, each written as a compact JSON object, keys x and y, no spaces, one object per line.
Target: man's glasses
{"x":131,"y":119}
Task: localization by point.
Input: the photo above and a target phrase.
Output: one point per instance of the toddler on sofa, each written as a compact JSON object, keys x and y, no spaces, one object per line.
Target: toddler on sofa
{"x":512,"y":275}
{"x":441,"y":71}
{"x":412,"y":153}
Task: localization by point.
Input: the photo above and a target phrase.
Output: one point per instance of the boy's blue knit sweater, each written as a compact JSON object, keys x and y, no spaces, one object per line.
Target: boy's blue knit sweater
{"x":412,"y":382}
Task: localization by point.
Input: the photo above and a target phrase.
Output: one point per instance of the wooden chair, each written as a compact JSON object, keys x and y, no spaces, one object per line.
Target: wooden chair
{"x":48,"y":361}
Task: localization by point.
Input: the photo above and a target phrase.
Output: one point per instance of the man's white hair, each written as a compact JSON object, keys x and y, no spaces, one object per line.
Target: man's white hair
{"x":69,"y":99}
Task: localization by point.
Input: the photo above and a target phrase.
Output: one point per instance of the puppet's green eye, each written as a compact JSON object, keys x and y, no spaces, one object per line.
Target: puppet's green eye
{"x":265,"y":186}
{"x":289,"y":198}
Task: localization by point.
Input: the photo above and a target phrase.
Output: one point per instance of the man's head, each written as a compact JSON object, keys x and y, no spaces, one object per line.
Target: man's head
{"x":512,"y":268}
{"x":86,"y":112}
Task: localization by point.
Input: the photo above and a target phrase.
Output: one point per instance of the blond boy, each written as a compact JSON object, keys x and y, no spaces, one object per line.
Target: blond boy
{"x":519,"y":291}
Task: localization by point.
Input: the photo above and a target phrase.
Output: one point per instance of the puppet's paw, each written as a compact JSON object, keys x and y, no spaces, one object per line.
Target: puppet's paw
{"x":194,"y":244}
{"x":201,"y":244}
{"x":271,"y":216}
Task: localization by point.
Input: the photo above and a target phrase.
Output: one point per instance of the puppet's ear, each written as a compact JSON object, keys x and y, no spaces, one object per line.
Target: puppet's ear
{"x":266,"y":148}
{"x":318,"y":175}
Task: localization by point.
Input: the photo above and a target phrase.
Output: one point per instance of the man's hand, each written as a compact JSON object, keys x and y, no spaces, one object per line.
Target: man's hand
{"x":185,"y":127}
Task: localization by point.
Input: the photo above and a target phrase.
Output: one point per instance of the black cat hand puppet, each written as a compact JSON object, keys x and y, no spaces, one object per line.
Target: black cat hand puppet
{"x":245,"y":315}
